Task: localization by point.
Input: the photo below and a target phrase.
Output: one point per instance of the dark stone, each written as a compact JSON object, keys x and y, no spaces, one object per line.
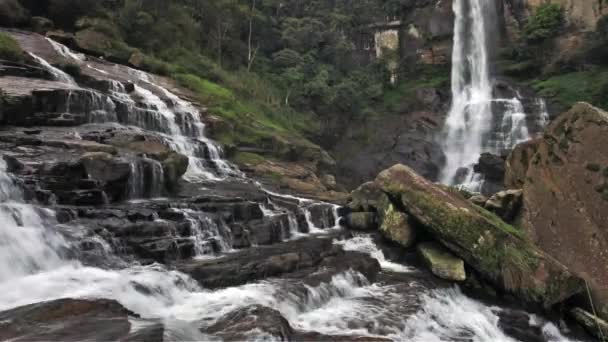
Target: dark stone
{"x":66,"y":320}
{"x":241,"y":324}
{"x":491,"y":166}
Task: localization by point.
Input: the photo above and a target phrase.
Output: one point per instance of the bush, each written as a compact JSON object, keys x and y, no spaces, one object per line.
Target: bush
{"x":545,"y":23}
{"x":10,"y":49}
{"x":12,"y":13}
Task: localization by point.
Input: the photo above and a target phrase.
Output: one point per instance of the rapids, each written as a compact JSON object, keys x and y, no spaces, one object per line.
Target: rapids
{"x":39,"y":256}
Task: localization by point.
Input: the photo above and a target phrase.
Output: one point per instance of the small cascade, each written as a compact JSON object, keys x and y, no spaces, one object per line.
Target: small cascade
{"x":25,"y":245}
{"x":147,"y":179}
{"x":58,"y":75}
{"x":513,"y":128}
{"x":365,"y":244}
{"x":211,"y":238}
{"x":65,"y":51}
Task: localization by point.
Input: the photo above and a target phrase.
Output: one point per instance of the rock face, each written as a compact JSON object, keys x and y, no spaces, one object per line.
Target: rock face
{"x":496,"y":250}
{"x":441,"y":262}
{"x":566,"y":194}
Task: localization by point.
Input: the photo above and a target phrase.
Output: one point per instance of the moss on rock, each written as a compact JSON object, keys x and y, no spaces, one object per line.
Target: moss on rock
{"x":498,"y":251}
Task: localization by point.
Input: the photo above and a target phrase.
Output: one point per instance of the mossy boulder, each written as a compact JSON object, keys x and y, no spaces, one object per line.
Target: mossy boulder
{"x":395,"y":225}
{"x":497,"y":251}
{"x":366,"y":197}
{"x":441,"y":262}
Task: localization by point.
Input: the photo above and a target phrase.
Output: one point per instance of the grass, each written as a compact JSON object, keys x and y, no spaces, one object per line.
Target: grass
{"x":567,"y":89}
{"x":10,"y":49}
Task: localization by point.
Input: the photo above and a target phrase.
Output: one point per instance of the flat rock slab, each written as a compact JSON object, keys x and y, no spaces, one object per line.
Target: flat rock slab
{"x":66,"y":320}
{"x":442,"y":263}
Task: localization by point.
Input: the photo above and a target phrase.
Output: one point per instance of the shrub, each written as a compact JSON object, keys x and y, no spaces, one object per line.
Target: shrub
{"x":12,"y":13}
{"x":10,"y":49}
{"x":545,"y":23}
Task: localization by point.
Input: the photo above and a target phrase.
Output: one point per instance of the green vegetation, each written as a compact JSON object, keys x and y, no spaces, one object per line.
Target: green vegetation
{"x":567,"y":89}
{"x":10,"y":49}
{"x":545,"y":23}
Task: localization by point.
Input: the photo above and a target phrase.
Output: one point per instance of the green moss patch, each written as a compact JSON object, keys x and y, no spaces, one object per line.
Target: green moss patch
{"x":10,"y":49}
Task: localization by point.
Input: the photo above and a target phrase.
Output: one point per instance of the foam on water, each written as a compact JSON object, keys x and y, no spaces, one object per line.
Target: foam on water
{"x":365,"y":244}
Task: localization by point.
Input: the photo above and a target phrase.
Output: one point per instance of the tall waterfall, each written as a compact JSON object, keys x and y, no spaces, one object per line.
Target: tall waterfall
{"x":477,"y":122}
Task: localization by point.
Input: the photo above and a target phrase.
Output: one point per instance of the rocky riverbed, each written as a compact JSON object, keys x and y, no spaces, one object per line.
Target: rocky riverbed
{"x":123,"y":221}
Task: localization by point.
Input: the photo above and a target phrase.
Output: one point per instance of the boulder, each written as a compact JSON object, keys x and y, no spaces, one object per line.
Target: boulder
{"x":244,"y":323}
{"x":499,"y":252}
{"x":365,"y":197}
{"x":175,"y":166}
{"x":479,"y":200}
{"x":565,"y":208}
{"x":593,"y":324}
{"x":506,"y":204}
{"x":66,"y":320}
{"x":441,"y":262}
{"x":396,"y":225}
{"x":364,"y":221}
{"x":104,"y":167}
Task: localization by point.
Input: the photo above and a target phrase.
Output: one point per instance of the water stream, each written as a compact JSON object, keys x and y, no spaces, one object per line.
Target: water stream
{"x":36,"y":264}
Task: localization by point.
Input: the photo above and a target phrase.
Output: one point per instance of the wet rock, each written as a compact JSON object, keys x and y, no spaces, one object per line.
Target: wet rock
{"x":395,"y":225}
{"x":247,"y":322}
{"x":301,"y":257}
{"x":322,"y":215}
{"x":66,"y":320}
{"x":516,"y":324}
{"x":441,"y":262}
{"x":506,"y":204}
{"x":363,"y":221}
{"x":111,"y":171}
{"x":491,"y":166}
{"x":593,"y":324}
{"x":82,"y":197}
{"x":498,"y":251}
{"x":565,"y":206}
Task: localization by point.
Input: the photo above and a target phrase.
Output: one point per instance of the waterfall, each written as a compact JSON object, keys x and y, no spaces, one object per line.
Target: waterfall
{"x":469,"y":117}
{"x":58,"y":74}
{"x":477,"y":122}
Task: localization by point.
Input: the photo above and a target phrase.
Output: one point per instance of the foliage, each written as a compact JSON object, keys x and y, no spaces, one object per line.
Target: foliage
{"x":567,"y":89}
{"x":12,"y":13}
{"x":10,"y":49}
{"x":545,"y":23}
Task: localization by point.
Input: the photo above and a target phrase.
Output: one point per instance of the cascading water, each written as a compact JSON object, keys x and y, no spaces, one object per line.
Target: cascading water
{"x":36,"y":266}
{"x":477,"y":122}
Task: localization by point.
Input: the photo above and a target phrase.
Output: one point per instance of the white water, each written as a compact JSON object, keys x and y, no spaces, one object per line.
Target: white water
{"x":34,"y":270}
{"x":365,"y":244}
{"x":58,"y":74}
{"x":470,"y":122}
